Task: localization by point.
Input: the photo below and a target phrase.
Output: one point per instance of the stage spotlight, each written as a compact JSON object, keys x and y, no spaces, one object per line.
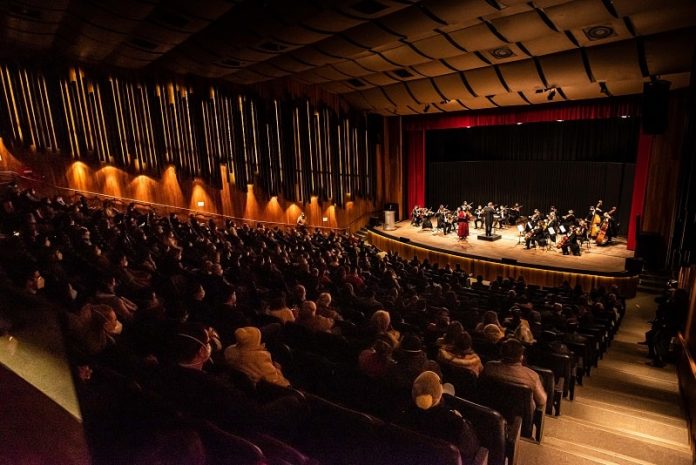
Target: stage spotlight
{"x":551,"y":95}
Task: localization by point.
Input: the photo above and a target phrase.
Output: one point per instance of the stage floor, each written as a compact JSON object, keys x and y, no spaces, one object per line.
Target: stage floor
{"x":606,"y":259}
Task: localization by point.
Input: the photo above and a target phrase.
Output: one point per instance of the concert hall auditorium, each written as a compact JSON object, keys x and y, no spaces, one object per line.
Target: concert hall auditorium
{"x":347,"y":232}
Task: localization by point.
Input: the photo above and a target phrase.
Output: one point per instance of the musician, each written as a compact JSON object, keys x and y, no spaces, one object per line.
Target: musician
{"x":569,"y":220}
{"x":590,"y":214}
{"x":416,"y":217}
{"x":488,"y":214}
{"x":552,"y":223}
{"x":514,"y":213}
{"x":478,"y":221}
{"x":609,"y":225}
{"x":572,"y":242}
{"x":534,"y":219}
{"x":536,"y":236}
{"x":448,"y":224}
{"x":500,"y":215}
{"x":599,"y":209}
{"x":440,"y":218}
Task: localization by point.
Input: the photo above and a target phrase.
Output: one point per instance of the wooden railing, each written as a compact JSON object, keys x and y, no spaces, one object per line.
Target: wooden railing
{"x":686,"y":371}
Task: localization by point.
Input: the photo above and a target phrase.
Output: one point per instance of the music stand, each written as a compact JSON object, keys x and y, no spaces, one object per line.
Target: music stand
{"x":520,"y":228}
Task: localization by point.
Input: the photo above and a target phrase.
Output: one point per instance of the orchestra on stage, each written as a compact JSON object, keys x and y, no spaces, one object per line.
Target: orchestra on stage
{"x":551,"y":230}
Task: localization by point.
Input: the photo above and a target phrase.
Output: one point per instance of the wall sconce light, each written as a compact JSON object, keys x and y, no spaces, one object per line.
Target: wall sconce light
{"x":325,"y":219}
{"x":200,"y":203}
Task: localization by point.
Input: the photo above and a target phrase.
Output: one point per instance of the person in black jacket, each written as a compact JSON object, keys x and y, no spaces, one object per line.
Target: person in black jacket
{"x":488,"y":213}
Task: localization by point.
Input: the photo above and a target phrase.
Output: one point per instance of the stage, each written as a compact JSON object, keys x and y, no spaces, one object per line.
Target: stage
{"x":545,"y":266}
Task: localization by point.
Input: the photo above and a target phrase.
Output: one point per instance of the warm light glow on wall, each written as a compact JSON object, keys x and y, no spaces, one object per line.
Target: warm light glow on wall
{"x":77,"y":175}
{"x":143,"y":188}
{"x":200,"y":203}
{"x":198,"y":195}
{"x":171,"y":187}
{"x":112,"y":185}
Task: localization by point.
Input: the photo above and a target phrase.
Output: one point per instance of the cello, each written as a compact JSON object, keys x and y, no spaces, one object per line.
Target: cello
{"x":595,"y":226}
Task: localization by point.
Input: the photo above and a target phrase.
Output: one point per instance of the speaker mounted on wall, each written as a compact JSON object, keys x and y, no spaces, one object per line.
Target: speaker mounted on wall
{"x":655,"y":106}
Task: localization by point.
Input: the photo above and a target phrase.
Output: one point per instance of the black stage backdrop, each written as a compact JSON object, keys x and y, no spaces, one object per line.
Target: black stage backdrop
{"x":567,"y":164}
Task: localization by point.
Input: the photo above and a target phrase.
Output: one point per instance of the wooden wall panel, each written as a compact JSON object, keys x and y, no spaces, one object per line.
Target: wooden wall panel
{"x":253,"y":205}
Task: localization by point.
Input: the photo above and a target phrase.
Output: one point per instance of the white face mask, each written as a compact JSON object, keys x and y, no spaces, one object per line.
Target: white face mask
{"x":72,"y":292}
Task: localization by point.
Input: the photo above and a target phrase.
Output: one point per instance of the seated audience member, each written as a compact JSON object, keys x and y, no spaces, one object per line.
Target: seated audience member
{"x":377,"y":360}
{"x":430,"y":415}
{"x":309,"y":319}
{"x":454,"y":329}
{"x":510,"y":369}
{"x":250,"y":357}
{"x":324,"y":307}
{"x":227,"y":317}
{"x":490,"y":317}
{"x":493,"y":333}
{"x":411,"y":361}
{"x":124,"y":308}
{"x":460,"y":354}
{"x":278,"y":309}
{"x":190,"y":388}
{"x":380,"y":324}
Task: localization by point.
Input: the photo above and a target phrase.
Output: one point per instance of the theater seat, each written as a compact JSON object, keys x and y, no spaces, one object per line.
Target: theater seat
{"x":513,"y":401}
{"x":407,"y":447}
{"x":463,"y":380}
{"x":495,"y":433}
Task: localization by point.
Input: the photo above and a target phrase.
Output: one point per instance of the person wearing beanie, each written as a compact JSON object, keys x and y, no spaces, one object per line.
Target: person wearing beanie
{"x":511,"y":370}
{"x":250,"y":357}
{"x":429,"y":414}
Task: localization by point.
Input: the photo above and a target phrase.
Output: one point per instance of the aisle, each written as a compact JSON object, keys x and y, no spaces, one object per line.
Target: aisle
{"x":626,"y":413}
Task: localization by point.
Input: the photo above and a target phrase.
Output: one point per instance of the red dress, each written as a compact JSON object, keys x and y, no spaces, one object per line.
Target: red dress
{"x":463,"y":226}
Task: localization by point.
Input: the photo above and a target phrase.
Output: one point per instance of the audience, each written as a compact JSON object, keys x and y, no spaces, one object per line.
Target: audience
{"x":142,"y":296}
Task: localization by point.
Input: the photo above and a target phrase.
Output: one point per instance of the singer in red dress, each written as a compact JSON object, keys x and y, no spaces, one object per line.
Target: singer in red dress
{"x":463,"y":218}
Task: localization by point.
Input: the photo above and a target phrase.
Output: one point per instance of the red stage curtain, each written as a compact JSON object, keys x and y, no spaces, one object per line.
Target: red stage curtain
{"x":640,"y":179}
{"x":552,"y":112}
{"x":415,"y":169}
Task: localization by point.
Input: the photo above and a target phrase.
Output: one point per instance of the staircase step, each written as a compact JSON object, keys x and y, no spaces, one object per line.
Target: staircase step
{"x":593,"y":454}
{"x":612,"y":416}
{"x":619,"y":440}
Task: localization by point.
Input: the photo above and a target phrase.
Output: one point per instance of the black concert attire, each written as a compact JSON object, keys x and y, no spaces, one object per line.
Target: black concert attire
{"x":416,"y":217}
{"x":478,"y":221}
{"x":536,"y":237}
{"x":514,"y":214}
{"x":488,"y":214}
{"x":571,"y":245}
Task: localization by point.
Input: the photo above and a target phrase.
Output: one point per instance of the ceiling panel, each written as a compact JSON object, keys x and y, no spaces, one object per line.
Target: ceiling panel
{"x":564,"y":69}
{"x":484,"y":81}
{"x":407,"y":48}
{"x":615,"y":62}
{"x":521,"y":75}
{"x":424,"y":90}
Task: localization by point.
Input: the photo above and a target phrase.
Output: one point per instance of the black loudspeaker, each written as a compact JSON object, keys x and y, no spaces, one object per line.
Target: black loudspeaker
{"x":509,"y":261}
{"x":655,"y":106}
{"x":393,"y":207}
{"x":375,"y":128}
{"x":404,"y":239}
{"x":634,"y":265}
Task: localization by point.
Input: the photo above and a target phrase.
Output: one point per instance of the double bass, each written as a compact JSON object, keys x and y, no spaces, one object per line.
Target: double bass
{"x":602,"y":238}
{"x":595,"y":226}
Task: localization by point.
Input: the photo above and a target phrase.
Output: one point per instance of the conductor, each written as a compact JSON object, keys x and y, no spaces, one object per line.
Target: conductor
{"x":488,"y":213}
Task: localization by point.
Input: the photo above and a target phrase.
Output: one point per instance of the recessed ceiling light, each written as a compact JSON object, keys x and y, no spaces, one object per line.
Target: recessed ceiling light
{"x":599,"y":32}
{"x":502,"y":52}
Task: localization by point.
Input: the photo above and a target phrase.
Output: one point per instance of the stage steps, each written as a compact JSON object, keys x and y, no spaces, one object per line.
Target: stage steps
{"x":626,"y":413}
{"x":362,"y":233}
{"x":653,"y":281}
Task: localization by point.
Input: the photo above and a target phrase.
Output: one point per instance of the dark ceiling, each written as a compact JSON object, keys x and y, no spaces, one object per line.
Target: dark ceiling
{"x":385,"y":56}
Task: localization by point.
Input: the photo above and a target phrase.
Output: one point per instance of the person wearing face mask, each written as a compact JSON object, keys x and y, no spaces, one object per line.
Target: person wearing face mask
{"x":190,"y":387}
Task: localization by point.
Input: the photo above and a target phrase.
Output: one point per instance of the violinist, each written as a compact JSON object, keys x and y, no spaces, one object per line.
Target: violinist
{"x":534,"y":219}
{"x":416,"y":216}
{"x":478,"y":221}
{"x":552,"y":223}
{"x":569,"y":220}
{"x":514,"y":213}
